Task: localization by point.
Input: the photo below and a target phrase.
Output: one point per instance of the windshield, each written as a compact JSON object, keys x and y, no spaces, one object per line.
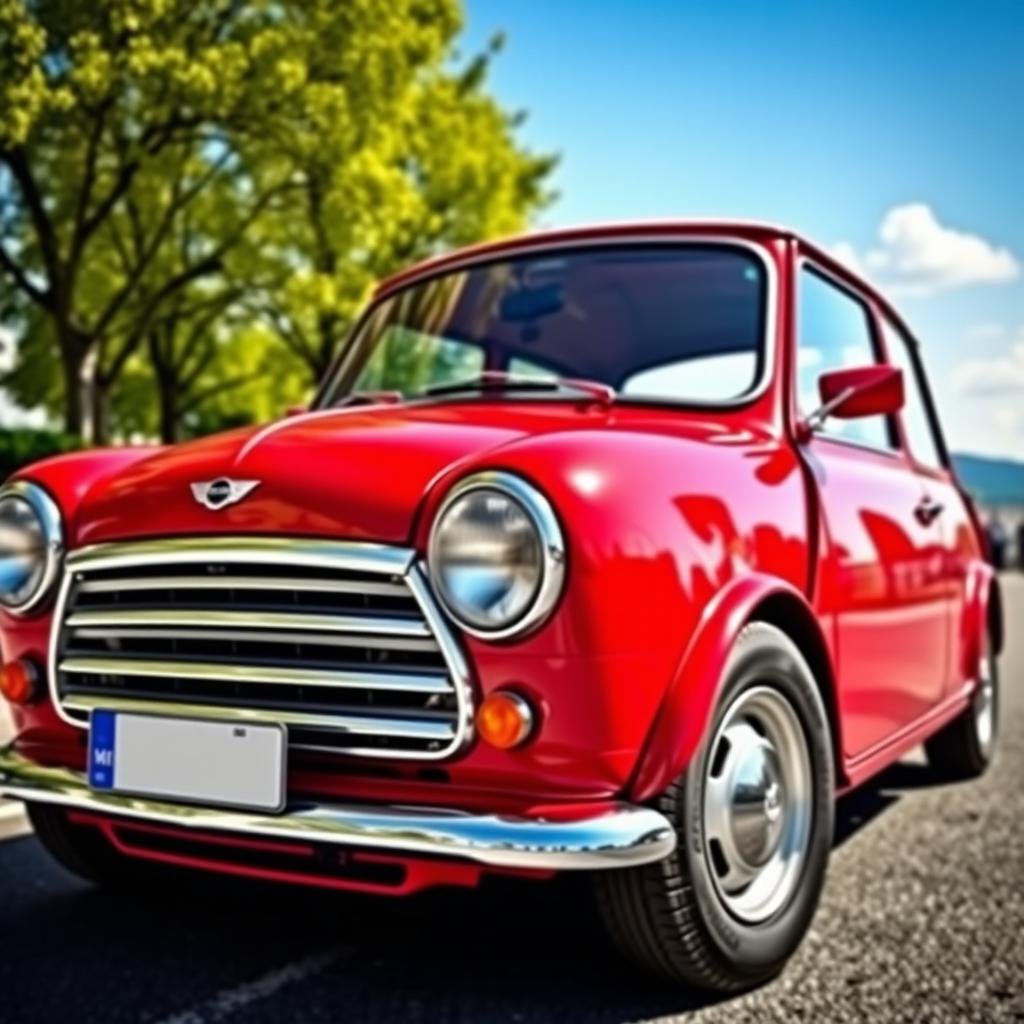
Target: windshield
{"x":680,"y":322}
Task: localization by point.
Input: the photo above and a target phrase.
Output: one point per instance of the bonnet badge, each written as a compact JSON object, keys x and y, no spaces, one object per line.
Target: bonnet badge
{"x":215,"y":494}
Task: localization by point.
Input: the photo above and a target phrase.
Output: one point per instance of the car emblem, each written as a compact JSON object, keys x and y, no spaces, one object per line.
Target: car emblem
{"x":215,"y":494}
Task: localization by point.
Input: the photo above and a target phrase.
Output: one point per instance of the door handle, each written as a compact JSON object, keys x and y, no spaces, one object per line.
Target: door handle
{"x":927,"y":510}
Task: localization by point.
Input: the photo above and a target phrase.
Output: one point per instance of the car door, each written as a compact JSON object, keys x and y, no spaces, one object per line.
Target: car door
{"x":880,"y":571}
{"x":923,"y":440}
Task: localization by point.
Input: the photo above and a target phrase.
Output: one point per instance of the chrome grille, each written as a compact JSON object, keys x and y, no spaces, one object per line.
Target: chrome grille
{"x":341,"y":642}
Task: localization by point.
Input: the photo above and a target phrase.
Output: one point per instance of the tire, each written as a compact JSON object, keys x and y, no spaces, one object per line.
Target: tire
{"x":964,"y":748}
{"x":689,"y":917}
{"x":82,"y":849}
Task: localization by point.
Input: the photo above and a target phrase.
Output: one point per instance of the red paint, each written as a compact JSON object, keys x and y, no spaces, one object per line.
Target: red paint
{"x":680,"y":524}
{"x":862,"y":391}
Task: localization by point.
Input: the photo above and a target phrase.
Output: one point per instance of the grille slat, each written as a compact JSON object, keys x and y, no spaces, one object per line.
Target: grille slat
{"x":258,"y":674}
{"x":329,"y":586}
{"x":357,"y":724}
{"x":266,"y":620}
{"x":390,"y":643}
{"x":343,"y":639}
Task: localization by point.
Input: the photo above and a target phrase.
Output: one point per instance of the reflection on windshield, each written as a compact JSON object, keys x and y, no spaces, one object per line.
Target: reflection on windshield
{"x":683,"y":322}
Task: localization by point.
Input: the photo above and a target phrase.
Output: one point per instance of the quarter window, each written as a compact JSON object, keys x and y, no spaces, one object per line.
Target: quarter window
{"x":917,"y":423}
{"x":835,"y":333}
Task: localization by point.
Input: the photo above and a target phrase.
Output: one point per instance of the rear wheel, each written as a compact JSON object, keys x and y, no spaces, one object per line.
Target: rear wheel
{"x":81,"y":849}
{"x":754,"y":813}
{"x":965,"y":747}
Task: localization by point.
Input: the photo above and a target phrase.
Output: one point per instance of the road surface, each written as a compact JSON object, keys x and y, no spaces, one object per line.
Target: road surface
{"x":922,"y":920}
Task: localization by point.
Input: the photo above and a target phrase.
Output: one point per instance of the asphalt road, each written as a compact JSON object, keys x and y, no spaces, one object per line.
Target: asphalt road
{"x":922,"y":920}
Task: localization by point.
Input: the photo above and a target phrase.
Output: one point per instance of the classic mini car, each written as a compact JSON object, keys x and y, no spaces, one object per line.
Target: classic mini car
{"x":620,"y":550}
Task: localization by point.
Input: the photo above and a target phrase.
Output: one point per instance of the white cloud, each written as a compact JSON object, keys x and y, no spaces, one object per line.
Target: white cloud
{"x":1001,"y":375}
{"x":983,"y":332}
{"x":919,"y":255}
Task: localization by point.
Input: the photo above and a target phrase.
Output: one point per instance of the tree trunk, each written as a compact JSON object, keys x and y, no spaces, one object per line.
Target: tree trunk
{"x":327,"y":328}
{"x":98,"y":426}
{"x":169,"y":418}
{"x":166,"y":376}
{"x":79,"y":361}
{"x":71,"y":361}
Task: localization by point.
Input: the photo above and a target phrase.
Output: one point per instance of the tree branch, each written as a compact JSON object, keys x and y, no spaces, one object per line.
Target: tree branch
{"x":21,"y":280}
{"x":225,"y":384}
{"x":45,"y":232}
{"x":84,"y":226}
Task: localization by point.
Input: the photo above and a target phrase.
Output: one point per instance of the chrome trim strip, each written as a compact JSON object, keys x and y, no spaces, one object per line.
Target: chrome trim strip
{"x":410,"y":682}
{"x":298,"y":551}
{"x":271,"y":621}
{"x":452,"y":653}
{"x":390,"y":643}
{"x":46,"y":510}
{"x":553,"y":552}
{"x":244,"y":583}
{"x":352,"y":724}
{"x":617,"y":835}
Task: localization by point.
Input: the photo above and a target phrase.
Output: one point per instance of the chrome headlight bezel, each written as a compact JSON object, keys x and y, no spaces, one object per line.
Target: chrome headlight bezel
{"x":48,"y":516}
{"x":551,"y":543}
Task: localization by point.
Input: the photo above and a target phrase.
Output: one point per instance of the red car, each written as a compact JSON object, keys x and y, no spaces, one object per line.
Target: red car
{"x":623,"y":550}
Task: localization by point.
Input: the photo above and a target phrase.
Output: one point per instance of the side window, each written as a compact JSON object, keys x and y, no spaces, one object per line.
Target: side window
{"x":917,"y":423}
{"x":834,"y":332}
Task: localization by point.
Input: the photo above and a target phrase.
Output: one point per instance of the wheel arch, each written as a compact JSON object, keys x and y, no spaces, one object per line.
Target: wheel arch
{"x":689,"y":703}
{"x":982,"y":612}
{"x":794,"y":617}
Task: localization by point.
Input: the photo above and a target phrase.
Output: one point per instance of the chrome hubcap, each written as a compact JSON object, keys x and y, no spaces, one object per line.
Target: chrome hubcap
{"x":984,"y":707}
{"x":757,"y":804}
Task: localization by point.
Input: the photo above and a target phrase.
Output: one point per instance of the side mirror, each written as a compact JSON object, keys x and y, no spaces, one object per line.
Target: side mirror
{"x":859,"y":391}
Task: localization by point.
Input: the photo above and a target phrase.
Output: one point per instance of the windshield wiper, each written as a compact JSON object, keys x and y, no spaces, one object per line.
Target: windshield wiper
{"x":502,"y":380}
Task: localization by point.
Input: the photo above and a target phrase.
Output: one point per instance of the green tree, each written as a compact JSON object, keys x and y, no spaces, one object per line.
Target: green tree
{"x":436,"y":165}
{"x":162,"y":158}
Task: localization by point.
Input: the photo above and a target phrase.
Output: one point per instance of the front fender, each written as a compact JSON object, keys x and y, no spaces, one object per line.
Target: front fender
{"x":68,"y":478}
{"x":689,"y":702}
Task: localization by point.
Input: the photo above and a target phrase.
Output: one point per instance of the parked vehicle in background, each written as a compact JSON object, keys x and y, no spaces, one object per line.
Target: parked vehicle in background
{"x":621,"y":550}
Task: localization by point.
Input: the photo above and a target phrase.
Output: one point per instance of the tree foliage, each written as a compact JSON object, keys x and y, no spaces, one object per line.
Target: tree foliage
{"x":193,"y":192}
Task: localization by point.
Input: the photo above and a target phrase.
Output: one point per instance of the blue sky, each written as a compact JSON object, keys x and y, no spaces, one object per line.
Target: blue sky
{"x":894,"y":132}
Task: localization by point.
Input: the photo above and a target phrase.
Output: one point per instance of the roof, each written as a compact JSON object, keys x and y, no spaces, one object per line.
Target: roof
{"x":751,"y":230}
{"x":754,"y":231}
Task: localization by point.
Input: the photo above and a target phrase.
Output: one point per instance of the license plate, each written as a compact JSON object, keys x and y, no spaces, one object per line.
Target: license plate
{"x":227,"y":764}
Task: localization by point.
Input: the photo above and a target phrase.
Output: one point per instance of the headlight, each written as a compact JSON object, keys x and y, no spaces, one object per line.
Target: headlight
{"x":31,"y":545}
{"x":496,"y":555}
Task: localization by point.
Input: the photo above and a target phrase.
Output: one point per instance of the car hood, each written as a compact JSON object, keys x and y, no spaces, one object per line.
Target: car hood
{"x":356,"y":473}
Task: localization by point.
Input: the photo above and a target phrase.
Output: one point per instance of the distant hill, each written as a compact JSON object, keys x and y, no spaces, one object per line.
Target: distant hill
{"x":991,"y":481}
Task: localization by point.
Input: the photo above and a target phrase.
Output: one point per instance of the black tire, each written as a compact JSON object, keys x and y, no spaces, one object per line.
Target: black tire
{"x":82,"y":849}
{"x":670,"y":917}
{"x":961,"y":750}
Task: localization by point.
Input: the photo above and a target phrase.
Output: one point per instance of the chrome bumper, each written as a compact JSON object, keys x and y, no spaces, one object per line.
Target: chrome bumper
{"x":616,"y":835}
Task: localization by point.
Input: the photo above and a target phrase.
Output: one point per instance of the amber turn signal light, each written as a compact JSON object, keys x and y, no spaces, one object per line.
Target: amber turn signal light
{"x":19,"y":681}
{"x":505,"y":720}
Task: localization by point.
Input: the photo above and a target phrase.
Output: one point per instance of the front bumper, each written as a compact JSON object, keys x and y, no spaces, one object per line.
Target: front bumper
{"x":608,"y":835}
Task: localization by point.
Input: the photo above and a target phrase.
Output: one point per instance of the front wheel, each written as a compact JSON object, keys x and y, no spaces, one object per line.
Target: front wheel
{"x":754,"y":815}
{"x":82,"y":849}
